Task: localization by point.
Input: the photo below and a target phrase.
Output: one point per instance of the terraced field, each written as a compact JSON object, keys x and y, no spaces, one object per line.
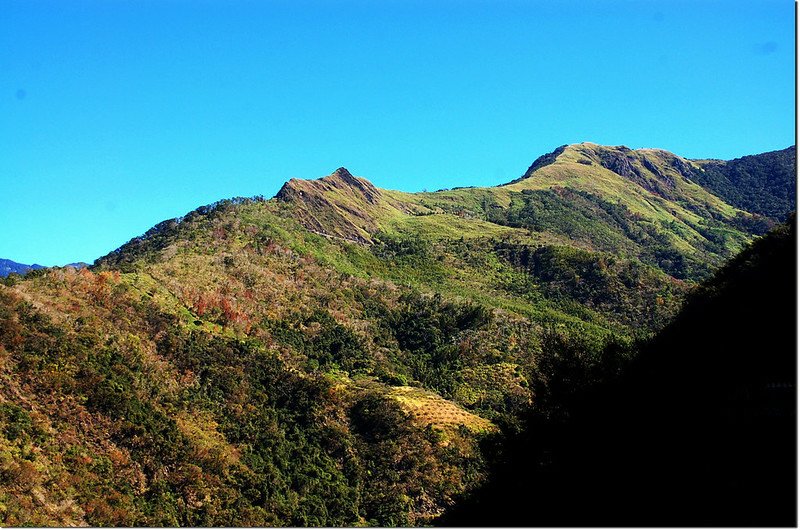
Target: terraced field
{"x":431,"y":409}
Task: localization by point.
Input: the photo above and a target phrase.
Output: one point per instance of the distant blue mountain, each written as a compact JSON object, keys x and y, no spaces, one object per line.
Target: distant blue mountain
{"x":7,"y":267}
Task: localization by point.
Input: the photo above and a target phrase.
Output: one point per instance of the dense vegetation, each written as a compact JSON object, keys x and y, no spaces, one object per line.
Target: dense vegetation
{"x":205,"y":430}
{"x":697,"y":429}
{"x":342,"y":355}
{"x":602,"y":225}
{"x":764,"y":184}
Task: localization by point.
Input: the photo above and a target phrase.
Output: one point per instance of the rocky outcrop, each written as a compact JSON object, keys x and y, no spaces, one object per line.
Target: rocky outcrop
{"x":544,"y":160}
{"x":619,"y":162}
{"x":340,"y":205}
{"x":340,"y":180}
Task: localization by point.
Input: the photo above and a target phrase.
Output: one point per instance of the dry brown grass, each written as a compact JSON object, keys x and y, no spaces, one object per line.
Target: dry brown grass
{"x":431,"y":409}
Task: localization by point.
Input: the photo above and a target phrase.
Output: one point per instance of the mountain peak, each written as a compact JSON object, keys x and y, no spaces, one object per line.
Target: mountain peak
{"x":656,"y":170}
{"x":342,"y":172}
{"x":8,"y":266}
{"x":343,"y":179}
{"x":338,"y":205}
{"x":340,"y":180}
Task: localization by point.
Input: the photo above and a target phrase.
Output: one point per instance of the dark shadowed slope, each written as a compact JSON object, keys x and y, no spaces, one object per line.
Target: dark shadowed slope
{"x":700,"y":430}
{"x":762,"y":184}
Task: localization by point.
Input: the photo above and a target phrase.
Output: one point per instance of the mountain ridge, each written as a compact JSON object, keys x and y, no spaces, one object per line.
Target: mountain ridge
{"x":8,"y":266}
{"x":652,"y":189}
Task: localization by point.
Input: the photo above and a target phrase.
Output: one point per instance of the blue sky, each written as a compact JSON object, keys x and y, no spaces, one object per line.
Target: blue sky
{"x":115,"y":115}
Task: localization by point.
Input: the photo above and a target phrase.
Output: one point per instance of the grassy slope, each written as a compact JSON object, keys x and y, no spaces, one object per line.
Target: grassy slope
{"x":639,"y":205}
{"x":657,"y":194}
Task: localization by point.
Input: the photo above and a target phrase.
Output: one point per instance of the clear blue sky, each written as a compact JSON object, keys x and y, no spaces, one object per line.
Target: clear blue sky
{"x":115,"y":115}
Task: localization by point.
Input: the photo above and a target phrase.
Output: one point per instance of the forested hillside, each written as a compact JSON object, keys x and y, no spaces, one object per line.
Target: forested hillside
{"x":341,"y":354}
{"x":764,"y":184}
{"x":698,"y":429}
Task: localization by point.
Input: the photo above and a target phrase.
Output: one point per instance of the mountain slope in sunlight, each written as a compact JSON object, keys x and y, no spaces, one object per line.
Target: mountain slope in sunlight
{"x":341,"y":354}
